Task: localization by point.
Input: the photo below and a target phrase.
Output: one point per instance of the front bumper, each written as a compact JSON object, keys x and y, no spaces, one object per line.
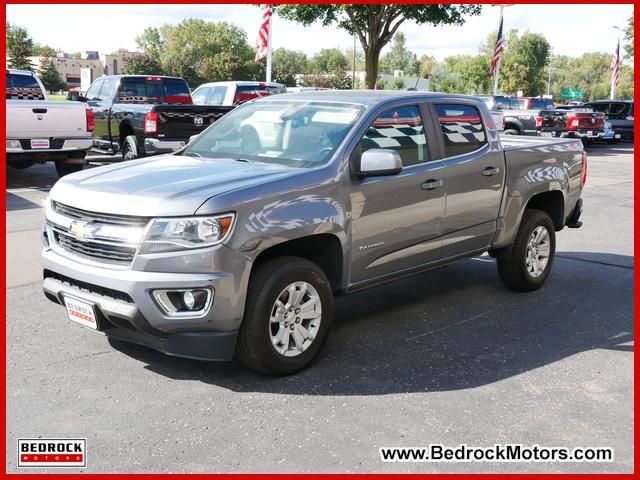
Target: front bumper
{"x":126,"y":309}
{"x":156,"y":145}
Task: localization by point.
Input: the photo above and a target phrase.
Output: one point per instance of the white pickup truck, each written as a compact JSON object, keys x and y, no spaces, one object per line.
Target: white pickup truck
{"x":39,"y":130}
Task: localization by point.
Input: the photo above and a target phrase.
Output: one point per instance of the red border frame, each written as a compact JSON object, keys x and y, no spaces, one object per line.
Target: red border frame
{"x":3,"y":337}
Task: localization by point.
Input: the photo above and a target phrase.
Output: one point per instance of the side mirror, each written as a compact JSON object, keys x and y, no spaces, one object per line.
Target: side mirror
{"x":380,"y":161}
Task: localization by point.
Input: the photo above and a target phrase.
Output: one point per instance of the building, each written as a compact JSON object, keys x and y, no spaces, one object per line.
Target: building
{"x":69,"y":66}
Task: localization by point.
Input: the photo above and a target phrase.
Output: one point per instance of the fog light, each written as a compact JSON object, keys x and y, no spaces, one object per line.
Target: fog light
{"x":184,"y":302}
{"x":189,"y":301}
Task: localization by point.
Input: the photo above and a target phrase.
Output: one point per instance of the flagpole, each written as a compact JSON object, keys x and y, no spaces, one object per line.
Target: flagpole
{"x":269,"y":47}
{"x":497,"y":77}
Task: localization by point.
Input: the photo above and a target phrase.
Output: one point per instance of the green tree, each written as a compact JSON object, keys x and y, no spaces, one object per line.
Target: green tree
{"x":43,"y":51}
{"x":628,"y":37}
{"x":287,"y":64}
{"x":329,"y":60}
{"x":19,"y":47}
{"x":49,"y":76}
{"x":143,"y":65}
{"x":190,"y":48}
{"x":523,"y":64}
{"x":398,"y":84}
{"x":376,"y":24}
{"x":426,"y":66}
{"x":150,"y":42}
{"x":400,"y":57}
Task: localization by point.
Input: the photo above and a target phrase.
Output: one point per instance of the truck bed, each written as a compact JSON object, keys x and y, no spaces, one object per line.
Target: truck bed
{"x":511,"y":143}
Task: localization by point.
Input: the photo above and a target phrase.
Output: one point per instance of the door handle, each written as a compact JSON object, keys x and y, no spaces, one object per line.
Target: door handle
{"x":489,"y":171}
{"x":39,"y":110}
{"x":431,"y":184}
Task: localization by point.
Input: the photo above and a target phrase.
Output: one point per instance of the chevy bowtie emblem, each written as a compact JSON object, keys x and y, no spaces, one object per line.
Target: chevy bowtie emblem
{"x":198,"y":121}
{"x":83,"y":230}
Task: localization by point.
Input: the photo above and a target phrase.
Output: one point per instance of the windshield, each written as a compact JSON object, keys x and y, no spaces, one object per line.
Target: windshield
{"x":292,"y":133}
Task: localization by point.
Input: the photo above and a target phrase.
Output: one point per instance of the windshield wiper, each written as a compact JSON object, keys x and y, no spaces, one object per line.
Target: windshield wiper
{"x":245,"y":160}
{"x":192,"y":154}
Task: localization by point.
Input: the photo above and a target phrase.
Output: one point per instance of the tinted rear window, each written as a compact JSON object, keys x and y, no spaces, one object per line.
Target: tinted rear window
{"x":535,"y":103}
{"x":153,"y":90}
{"x":462,"y":129}
{"x":23,"y":87}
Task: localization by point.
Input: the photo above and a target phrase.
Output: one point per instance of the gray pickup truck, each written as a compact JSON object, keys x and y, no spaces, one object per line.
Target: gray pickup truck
{"x":238,"y":243}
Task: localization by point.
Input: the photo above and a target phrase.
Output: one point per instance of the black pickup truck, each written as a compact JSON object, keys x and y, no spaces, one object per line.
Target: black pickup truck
{"x":140,"y":115}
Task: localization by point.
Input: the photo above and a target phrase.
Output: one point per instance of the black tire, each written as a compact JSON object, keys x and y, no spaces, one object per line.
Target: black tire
{"x":512,"y":262}
{"x":255,"y":348}
{"x":612,"y":141}
{"x":131,"y":149}
{"x":64,"y":167}
{"x":511,"y":131}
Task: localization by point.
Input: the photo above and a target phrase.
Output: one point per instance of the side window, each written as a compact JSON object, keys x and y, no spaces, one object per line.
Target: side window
{"x":200,"y":97}
{"x":462,"y":129}
{"x":108,"y":90}
{"x":94,"y":90}
{"x":398,"y":129}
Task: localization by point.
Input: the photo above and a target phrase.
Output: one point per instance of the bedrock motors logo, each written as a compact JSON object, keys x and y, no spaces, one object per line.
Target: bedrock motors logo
{"x":52,"y":452}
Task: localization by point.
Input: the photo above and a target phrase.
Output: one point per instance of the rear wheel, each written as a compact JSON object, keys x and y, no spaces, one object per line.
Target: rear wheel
{"x":511,"y":131}
{"x":131,"y":149}
{"x":65,"y":167}
{"x":287,"y":318}
{"x":527,"y":263}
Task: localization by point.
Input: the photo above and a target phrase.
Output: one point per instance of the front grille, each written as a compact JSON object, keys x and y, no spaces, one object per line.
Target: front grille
{"x":89,"y":287}
{"x":104,"y":218}
{"x":107,"y":252}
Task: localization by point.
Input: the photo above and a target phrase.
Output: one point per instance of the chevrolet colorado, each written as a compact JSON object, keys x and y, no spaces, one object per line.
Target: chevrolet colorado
{"x":237,"y":243}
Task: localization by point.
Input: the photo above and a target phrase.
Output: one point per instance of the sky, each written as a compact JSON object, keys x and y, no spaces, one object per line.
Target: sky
{"x":571,"y":29}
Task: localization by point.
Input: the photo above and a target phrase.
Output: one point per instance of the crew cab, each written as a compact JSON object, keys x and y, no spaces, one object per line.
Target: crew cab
{"x":234,"y":93}
{"x":238,"y":243}
{"x":39,"y":131}
{"x":140,"y":115}
{"x":519,"y":119}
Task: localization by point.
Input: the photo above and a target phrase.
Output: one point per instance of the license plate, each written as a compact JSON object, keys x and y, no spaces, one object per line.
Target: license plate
{"x":589,"y":133}
{"x":81,"y":312}
{"x":618,"y":135}
{"x":40,"y":143}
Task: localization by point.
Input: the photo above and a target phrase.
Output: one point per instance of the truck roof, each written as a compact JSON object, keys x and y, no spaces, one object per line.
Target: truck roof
{"x":362,"y":97}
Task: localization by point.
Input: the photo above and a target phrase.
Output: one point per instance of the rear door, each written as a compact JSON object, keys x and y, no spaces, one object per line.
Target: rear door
{"x":474,"y":166}
{"x":396,"y":219}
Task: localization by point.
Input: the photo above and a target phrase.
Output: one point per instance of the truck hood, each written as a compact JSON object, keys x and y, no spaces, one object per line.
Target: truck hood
{"x":160,"y":186}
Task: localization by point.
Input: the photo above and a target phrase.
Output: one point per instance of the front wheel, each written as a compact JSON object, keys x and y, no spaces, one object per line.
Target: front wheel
{"x":287,"y":318}
{"x":527,"y":263}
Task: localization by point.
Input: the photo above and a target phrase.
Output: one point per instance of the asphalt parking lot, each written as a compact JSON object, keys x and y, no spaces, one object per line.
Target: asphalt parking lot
{"x":447,"y":357}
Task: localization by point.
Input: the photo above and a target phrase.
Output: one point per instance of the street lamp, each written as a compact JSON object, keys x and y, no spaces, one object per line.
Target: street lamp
{"x":497,"y":74}
{"x":549,"y":81}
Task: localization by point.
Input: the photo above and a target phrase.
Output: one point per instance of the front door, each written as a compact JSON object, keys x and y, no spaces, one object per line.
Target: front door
{"x":397,"y":219}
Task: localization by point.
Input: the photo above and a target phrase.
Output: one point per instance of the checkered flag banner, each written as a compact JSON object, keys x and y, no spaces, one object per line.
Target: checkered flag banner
{"x":24,"y":93}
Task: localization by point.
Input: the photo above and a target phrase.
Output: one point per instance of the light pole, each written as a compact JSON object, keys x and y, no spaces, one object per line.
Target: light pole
{"x":613,"y":85}
{"x":549,"y":81}
{"x":497,"y":75}
{"x":353,"y":76}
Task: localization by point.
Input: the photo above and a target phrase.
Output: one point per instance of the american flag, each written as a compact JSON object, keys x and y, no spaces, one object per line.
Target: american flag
{"x":262,"y":42}
{"x":615,"y":67}
{"x":497,"y":52}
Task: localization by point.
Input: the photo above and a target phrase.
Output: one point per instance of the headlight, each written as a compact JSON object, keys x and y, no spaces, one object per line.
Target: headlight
{"x":173,"y":234}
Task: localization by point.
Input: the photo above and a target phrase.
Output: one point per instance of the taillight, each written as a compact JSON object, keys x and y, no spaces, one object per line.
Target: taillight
{"x":584,"y":168}
{"x":91,"y":119}
{"x":573,"y":121}
{"x":151,"y":122}
{"x":539,"y":121}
